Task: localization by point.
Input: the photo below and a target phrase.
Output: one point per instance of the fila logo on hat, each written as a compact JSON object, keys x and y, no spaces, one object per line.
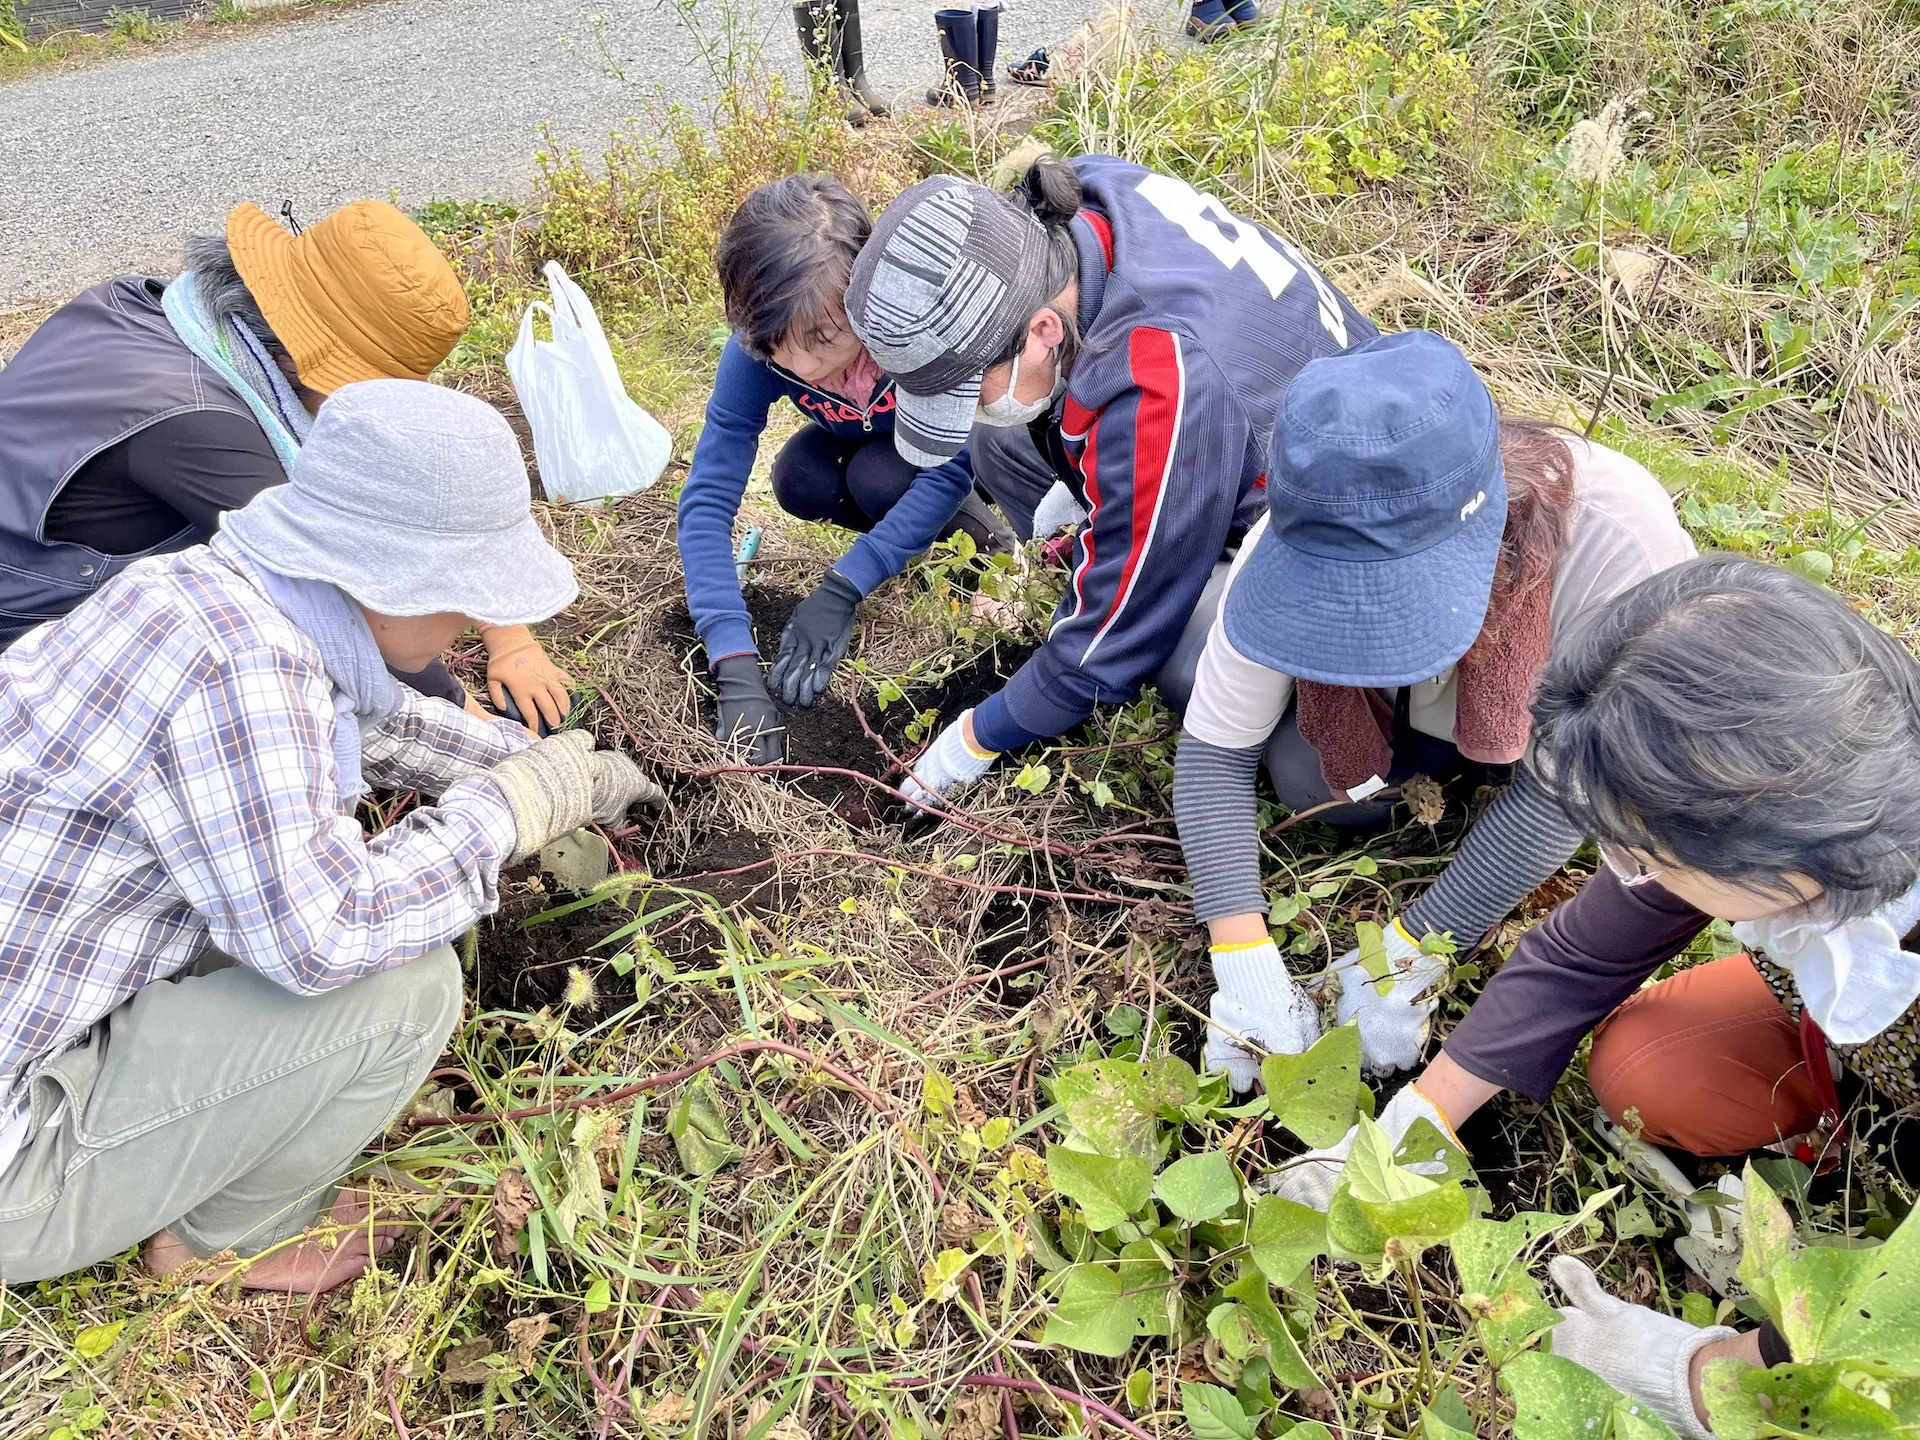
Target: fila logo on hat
{"x":1472,"y":505}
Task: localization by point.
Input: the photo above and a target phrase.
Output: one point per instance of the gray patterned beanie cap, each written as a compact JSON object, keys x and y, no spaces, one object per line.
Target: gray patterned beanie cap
{"x":952,"y":273}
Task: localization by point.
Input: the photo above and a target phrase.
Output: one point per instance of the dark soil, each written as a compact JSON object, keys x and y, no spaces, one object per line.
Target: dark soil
{"x":527,"y":969}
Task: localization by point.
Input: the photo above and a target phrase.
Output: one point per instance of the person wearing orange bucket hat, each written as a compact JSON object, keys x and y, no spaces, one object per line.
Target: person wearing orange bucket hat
{"x":143,"y":410}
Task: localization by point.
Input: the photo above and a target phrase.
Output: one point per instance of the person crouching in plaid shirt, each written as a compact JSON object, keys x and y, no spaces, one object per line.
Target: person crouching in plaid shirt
{"x":214,"y":988}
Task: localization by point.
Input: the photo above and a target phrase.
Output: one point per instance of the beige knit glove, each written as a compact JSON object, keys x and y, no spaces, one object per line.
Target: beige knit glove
{"x":557,"y":785}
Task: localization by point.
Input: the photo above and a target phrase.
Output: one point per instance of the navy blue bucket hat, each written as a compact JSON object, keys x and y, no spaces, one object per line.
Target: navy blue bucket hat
{"x":1386,"y":503}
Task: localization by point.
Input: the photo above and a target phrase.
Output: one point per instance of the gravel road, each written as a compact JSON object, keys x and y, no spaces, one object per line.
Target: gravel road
{"x":104,"y":170}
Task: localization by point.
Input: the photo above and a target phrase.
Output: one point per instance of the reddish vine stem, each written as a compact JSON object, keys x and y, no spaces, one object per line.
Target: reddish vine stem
{"x":1038,"y":1387}
{"x":674,"y":1077}
{"x":655,"y":1082}
{"x":609,"y":1402}
{"x":821,"y":1383}
{"x":1101,"y":897}
{"x":965,"y":981}
{"x":1009,"y":1422}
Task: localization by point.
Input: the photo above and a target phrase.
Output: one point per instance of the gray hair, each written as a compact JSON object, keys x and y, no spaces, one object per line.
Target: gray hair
{"x":224,"y":293}
{"x":1728,"y":716}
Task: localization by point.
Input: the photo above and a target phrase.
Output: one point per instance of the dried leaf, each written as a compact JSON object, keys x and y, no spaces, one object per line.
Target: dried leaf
{"x":525,"y":1335}
{"x":513,"y":1202}
{"x":466,"y":1363}
{"x":1425,"y":799}
{"x":670,"y":1410}
{"x":959,"y":1224}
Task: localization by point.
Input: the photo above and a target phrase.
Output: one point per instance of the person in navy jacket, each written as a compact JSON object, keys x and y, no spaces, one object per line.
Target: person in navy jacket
{"x":783,"y":264}
{"x":1141,"y":335}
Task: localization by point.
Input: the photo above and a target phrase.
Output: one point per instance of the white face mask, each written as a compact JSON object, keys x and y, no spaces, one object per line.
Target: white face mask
{"x":1854,"y":978}
{"x":1007,"y":412}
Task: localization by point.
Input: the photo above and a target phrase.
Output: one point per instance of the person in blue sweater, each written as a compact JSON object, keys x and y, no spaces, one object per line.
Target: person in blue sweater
{"x":783,"y":262}
{"x":1126,"y":338}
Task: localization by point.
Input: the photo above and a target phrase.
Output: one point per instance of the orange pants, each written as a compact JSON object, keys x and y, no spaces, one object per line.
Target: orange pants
{"x":1708,"y":1059}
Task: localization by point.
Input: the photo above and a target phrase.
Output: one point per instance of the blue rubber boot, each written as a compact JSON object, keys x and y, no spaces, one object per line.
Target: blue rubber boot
{"x":986,"y":29}
{"x":960,"y":47}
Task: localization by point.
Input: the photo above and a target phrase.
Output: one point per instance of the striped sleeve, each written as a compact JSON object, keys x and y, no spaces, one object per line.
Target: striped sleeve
{"x":1161,"y":462}
{"x":1213,"y":804}
{"x":1522,"y":839}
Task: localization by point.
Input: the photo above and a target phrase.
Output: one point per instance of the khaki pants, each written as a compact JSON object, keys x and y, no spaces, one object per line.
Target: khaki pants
{"x":218,"y":1106}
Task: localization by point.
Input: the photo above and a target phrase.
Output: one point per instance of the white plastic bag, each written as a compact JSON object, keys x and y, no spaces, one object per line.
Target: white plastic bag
{"x":590,"y":439}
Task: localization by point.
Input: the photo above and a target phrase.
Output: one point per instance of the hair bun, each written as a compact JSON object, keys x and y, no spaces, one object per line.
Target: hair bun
{"x":1050,"y":190}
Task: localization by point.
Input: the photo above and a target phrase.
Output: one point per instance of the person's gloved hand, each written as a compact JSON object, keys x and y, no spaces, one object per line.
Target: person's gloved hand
{"x":518,"y":667}
{"x":747,"y":716}
{"x":950,"y":760}
{"x":1393,"y":1027}
{"x":815,"y":640}
{"x":556,"y":785}
{"x":1640,"y":1352}
{"x":1311,"y":1179}
{"x":1255,"y":999}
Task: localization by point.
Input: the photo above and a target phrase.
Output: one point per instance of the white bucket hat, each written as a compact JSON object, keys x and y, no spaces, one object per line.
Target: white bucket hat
{"x":413,"y":500}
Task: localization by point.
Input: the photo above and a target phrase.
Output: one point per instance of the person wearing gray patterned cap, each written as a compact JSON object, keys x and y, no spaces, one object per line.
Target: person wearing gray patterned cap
{"x":1115,"y":344}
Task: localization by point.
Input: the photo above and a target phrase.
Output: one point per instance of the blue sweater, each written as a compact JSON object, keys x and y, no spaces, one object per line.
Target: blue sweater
{"x":1194,"y":322}
{"x":744,"y":391}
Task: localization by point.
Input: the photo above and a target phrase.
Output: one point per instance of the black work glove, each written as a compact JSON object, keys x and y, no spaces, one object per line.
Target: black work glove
{"x":814,"y":641}
{"x":747,"y":716}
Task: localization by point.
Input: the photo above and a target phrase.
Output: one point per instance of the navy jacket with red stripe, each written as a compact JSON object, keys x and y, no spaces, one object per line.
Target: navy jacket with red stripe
{"x":1193,"y":322}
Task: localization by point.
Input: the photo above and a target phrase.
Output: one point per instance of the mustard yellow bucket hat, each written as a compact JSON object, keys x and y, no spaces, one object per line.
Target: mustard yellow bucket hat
{"x":360,"y":295}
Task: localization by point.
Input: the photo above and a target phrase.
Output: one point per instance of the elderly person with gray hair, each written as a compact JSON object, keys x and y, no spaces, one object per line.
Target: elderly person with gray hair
{"x":214,"y":988}
{"x":1743,"y":746}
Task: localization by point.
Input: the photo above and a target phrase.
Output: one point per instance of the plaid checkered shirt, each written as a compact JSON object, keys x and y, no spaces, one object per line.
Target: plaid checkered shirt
{"x":167,"y":779}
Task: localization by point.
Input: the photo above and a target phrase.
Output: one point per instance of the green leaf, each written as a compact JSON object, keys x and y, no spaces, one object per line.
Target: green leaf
{"x":1833,"y":1304}
{"x":1147,"y":1286}
{"x":1283,"y":909}
{"x":599,"y":1296}
{"x":1108,"y":1188}
{"x":1112,"y":1105}
{"x":700,"y":1134}
{"x":1125,"y":1021}
{"x":1372,"y":944}
{"x":1495,"y":1288}
{"x":1090,"y":1316}
{"x":1815,"y":565}
{"x":994,"y":1133}
{"x":1309,"y":1430}
{"x":1213,"y":1413}
{"x":1632,"y":1220}
{"x":1450,"y":1410}
{"x":94,"y":1341}
{"x":1285,"y":1237}
{"x":1199,"y":1187}
{"x":1433,"y":1427}
{"x":1229,"y":1325}
{"x":1555,"y":1399}
{"x":1426,"y":1150}
{"x":1382,"y":1210}
{"x":1698,"y":1310}
{"x":1140,"y":1391}
{"x":1290,"y":1367}
{"x":1093,"y":1315}
{"x":1315,"y":1094}
{"x":1748,"y":1403}
{"x":1033,"y":778}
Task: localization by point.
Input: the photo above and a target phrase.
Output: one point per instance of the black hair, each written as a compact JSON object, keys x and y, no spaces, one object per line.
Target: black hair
{"x":1731,"y":717}
{"x":1050,"y":192}
{"x":224,"y":293}
{"x":784,"y":260}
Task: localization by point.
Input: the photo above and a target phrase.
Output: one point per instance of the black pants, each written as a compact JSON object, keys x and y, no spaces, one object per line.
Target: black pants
{"x":854,"y":482}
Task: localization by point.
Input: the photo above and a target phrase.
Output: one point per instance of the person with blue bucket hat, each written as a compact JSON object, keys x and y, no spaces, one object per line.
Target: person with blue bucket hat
{"x":1420,"y":556}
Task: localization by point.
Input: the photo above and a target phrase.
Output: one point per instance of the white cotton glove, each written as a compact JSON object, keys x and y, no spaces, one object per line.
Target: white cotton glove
{"x":1393,"y":1027}
{"x":948,"y":762}
{"x":1255,"y":999}
{"x":1311,"y":1179}
{"x":1639,"y":1352}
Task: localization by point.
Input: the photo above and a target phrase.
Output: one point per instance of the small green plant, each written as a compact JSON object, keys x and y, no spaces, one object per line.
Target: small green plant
{"x":136,"y":24}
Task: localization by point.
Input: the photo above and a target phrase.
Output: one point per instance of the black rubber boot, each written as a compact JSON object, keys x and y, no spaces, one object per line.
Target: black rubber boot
{"x":821,"y":38}
{"x":960,"y":45}
{"x":986,"y":26}
{"x":853,"y":59}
